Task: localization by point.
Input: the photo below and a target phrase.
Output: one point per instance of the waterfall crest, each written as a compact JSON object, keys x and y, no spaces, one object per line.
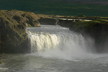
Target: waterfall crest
{"x":60,"y":42}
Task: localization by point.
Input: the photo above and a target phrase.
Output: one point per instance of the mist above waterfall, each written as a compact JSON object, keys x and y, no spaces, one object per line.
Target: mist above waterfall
{"x":59,"y":42}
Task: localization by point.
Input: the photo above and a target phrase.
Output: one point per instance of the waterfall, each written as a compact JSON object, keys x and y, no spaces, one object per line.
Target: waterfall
{"x":58,"y":42}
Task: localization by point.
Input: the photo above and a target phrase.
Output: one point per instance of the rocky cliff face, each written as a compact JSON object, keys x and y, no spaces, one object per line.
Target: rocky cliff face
{"x":97,"y":29}
{"x":13,"y":37}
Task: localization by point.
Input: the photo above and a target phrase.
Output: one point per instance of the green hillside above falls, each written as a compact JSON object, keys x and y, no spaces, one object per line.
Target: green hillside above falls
{"x":59,"y":7}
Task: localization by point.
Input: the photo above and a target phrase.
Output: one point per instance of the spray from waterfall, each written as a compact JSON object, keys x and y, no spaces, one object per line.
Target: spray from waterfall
{"x":58,"y":42}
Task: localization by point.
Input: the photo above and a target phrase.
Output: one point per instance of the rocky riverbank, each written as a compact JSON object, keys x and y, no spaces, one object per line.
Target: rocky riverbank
{"x":13,"y":37}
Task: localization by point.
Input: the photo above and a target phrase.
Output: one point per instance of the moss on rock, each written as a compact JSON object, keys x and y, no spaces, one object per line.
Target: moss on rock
{"x":13,"y":37}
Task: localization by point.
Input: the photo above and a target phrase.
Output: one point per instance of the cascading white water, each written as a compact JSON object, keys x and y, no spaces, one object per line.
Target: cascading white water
{"x":58,"y":42}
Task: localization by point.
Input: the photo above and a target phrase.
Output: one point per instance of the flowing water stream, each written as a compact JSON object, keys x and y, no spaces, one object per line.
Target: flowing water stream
{"x":56,"y":49}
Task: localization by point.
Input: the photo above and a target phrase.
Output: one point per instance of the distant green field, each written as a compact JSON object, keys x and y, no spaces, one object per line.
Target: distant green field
{"x":55,"y":7}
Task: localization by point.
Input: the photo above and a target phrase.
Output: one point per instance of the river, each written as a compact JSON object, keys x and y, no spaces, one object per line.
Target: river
{"x":31,"y":63}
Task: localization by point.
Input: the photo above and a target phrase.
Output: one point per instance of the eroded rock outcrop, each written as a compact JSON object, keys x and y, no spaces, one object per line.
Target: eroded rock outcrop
{"x":13,"y":37}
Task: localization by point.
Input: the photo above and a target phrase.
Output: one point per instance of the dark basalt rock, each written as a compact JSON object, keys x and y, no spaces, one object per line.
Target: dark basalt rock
{"x":47,"y":21}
